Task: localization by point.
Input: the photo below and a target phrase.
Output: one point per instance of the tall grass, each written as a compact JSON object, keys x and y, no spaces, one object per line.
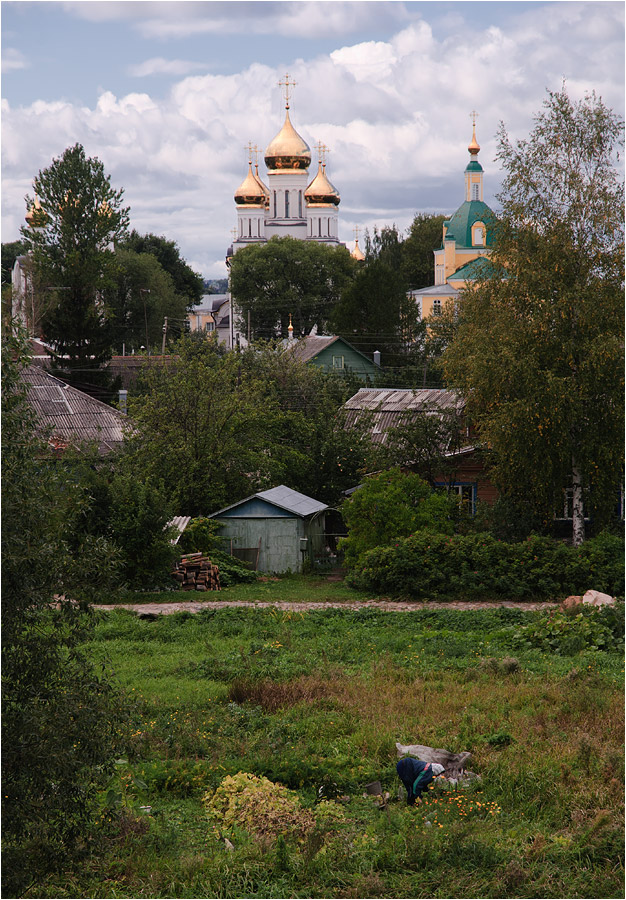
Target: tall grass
{"x":318,"y":700}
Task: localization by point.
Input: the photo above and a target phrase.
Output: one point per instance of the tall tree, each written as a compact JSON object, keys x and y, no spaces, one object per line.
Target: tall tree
{"x":288,"y":277}
{"x":424,"y":236}
{"x":59,"y":710}
{"x":187,"y":283}
{"x":374,"y":313}
{"x":539,"y":349}
{"x":142,"y":295}
{"x":76,"y":218}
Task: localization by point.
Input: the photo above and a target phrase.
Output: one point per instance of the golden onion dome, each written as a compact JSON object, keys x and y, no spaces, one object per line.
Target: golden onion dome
{"x":264,"y":187}
{"x":357,"y":253}
{"x":474,"y":146}
{"x":36,"y":216}
{"x":288,"y":150}
{"x":251,"y":192}
{"x":321,"y":192}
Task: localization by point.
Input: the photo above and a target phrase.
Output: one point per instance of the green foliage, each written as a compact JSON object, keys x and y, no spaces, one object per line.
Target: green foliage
{"x":10,"y":252}
{"x":187,"y":283}
{"x":539,"y":348}
{"x":142,"y":295}
{"x":568,"y":634}
{"x":391,"y":506}
{"x":200,"y":536}
{"x":258,"y":806}
{"x":59,"y":711}
{"x":423,"y":238}
{"x":288,"y":277}
{"x":478,"y":565}
{"x":80,"y":216}
{"x":374,"y":313}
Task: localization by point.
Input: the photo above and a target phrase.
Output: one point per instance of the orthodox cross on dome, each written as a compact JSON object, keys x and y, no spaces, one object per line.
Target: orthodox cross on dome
{"x":473,"y":117}
{"x":356,"y":233}
{"x":287,"y":84}
{"x":322,"y":150}
{"x":251,"y":148}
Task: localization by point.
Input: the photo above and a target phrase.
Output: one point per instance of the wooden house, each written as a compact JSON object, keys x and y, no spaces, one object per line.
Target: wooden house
{"x":333,"y":354}
{"x":384,"y":409}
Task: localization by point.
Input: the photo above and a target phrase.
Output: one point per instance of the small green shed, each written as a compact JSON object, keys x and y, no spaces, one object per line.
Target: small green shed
{"x":275,"y":530}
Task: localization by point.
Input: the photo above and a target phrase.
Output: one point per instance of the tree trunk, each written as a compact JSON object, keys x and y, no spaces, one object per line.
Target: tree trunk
{"x":578,"y":516}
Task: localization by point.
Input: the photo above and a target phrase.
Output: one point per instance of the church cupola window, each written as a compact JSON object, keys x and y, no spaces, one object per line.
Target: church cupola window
{"x":286,"y":204}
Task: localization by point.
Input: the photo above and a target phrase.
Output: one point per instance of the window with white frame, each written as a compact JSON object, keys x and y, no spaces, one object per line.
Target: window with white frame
{"x":436,"y":307}
{"x":338,"y":362}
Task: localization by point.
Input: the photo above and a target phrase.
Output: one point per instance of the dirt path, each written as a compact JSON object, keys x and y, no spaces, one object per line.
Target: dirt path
{"x":166,"y":609}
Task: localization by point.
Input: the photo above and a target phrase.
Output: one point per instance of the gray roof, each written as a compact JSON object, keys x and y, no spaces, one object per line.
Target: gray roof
{"x":436,"y":290}
{"x":388,"y":407}
{"x":70,"y":416}
{"x":308,"y":347}
{"x":285,"y":498}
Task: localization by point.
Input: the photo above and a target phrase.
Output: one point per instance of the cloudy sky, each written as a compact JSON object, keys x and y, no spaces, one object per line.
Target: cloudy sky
{"x":167,"y":95}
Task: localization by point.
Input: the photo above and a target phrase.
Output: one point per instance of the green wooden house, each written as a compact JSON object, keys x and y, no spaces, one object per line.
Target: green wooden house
{"x":332,"y":353}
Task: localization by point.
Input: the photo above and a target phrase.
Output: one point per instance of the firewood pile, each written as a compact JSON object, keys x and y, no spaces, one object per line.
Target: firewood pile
{"x":195,"y":572}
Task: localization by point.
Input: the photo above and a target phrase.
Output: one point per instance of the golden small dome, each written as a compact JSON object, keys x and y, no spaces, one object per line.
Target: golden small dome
{"x":264,"y":187}
{"x":288,"y":150}
{"x":474,"y":146}
{"x":251,"y":192}
{"x":357,"y":253}
{"x":321,"y":192}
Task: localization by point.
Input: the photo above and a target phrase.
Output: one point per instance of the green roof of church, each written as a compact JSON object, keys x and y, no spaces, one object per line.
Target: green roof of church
{"x":471,"y":270}
{"x":473,"y":166}
{"x":460,"y":225}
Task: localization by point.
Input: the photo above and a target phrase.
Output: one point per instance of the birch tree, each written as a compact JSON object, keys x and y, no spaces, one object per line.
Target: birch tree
{"x":539,"y":349}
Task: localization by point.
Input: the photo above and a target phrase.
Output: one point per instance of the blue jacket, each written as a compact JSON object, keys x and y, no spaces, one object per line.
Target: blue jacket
{"x":415,"y":775}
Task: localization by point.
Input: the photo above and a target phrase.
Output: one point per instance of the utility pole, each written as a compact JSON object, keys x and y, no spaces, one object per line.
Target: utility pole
{"x":164,"y":336}
{"x":143,"y":291}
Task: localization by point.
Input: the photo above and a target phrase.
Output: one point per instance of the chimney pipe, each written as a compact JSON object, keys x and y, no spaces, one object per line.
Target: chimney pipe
{"x":377,"y":357}
{"x":123,"y":404}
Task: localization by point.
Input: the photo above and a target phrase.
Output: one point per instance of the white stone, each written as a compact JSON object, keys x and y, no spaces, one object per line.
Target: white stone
{"x":596,"y":598}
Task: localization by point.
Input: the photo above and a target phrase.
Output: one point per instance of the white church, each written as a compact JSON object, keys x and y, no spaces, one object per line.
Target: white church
{"x":291,"y":204}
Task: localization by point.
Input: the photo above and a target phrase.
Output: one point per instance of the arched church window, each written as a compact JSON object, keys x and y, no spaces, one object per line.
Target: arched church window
{"x":299,"y":204}
{"x":319,"y":227}
{"x":286,"y":204}
{"x":274,"y":204}
{"x":249,"y":227}
{"x":479,"y":236}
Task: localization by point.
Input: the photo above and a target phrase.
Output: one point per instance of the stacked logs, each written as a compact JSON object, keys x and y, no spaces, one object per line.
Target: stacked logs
{"x":195,"y":572}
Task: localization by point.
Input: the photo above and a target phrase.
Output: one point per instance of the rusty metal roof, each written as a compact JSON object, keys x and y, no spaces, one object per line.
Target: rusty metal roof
{"x":386,"y":408}
{"x":70,"y":416}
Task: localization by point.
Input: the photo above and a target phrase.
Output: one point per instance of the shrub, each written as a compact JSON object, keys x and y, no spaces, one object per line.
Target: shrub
{"x":389,"y":506}
{"x":258,"y":806}
{"x":478,"y":565}
{"x":591,"y":628}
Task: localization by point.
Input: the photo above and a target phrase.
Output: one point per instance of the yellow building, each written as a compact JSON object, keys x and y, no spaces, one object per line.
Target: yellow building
{"x":466,"y":240}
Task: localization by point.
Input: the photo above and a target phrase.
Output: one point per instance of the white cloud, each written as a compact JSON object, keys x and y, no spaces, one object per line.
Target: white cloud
{"x":13,"y":59}
{"x":395,"y":115}
{"x":159,"y":66}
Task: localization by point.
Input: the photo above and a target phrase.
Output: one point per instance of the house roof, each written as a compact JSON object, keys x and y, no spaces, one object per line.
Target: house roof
{"x":387,"y":407}
{"x":307,"y":348}
{"x":71,"y":417}
{"x":436,"y":290}
{"x":284,"y":498}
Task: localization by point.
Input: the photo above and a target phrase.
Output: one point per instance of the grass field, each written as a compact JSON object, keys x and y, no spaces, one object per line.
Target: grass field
{"x":317,"y":700}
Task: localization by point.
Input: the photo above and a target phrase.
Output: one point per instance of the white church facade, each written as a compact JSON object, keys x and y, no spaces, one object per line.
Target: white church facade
{"x":291,"y":204}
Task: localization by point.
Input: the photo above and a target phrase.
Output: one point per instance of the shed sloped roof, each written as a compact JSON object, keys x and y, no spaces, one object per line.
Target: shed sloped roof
{"x":284,"y":498}
{"x":72,"y":417}
{"x":307,"y":348}
{"x":389,"y":407}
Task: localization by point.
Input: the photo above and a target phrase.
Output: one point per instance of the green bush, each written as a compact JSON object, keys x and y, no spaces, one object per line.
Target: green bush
{"x":591,"y":628}
{"x":478,"y":565}
{"x":389,"y":506}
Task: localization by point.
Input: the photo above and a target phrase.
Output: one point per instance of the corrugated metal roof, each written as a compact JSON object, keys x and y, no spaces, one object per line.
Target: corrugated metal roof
{"x":387,"y":408}
{"x":71,"y":416}
{"x":180,"y":523}
{"x":308,"y":347}
{"x":284,"y":498}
